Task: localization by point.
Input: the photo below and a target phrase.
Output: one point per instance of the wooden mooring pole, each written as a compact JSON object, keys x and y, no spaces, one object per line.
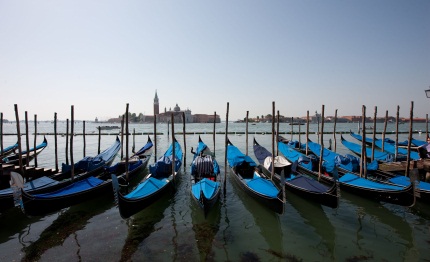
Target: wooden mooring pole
{"x":126,"y":142}
{"x":27,"y":141}
{"x":55,"y":142}
{"x":83,"y":134}
{"x":18,"y":133}
{"x":67,"y":141}
{"x":72,"y":129}
{"x":225,"y":147}
{"x":213,"y":137}
{"x":35,"y":137}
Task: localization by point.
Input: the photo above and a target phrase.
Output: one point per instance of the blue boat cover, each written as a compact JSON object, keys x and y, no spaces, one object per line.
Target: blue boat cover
{"x":416,"y":142}
{"x":207,"y":186}
{"x":378,"y":155}
{"x":147,"y":187}
{"x":131,"y":166}
{"x":145,"y":148}
{"x":332,"y":159}
{"x":42,"y":145}
{"x":388,"y":146}
{"x":38,"y":183}
{"x":263,"y":186}
{"x":405,"y":181}
{"x":90,"y":163}
{"x":237,"y":158}
{"x":392,"y":149}
{"x":75,"y":187}
{"x":201,"y":147}
{"x":294,"y":155}
{"x":362,"y":182}
{"x":370,"y":140}
{"x":12,"y":147}
{"x":163,"y":166}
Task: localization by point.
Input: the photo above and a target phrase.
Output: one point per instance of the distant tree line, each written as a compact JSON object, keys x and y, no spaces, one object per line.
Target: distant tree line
{"x":132,"y":118}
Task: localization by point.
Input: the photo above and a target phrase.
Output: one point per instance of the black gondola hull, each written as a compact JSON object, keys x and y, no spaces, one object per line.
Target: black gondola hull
{"x":403,"y":197}
{"x":34,"y":206}
{"x":276,"y":204}
{"x":128,"y":207}
{"x":206,"y":204}
{"x":41,"y":206}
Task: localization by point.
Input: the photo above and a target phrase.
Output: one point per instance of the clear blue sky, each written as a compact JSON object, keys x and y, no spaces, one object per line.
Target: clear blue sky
{"x":100,"y":55}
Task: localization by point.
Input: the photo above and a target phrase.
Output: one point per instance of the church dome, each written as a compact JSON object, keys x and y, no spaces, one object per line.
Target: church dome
{"x":177,"y":108}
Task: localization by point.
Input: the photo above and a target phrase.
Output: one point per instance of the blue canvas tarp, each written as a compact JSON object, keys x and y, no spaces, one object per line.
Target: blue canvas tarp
{"x":75,"y":187}
{"x":389,"y":147}
{"x":262,"y":186}
{"x":293,"y":156}
{"x":163,"y":166}
{"x":237,"y":158}
{"x":91,"y":163}
{"x":207,"y":186}
{"x":147,"y":187}
{"x":377,"y":154}
{"x":9,"y":148}
{"x":405,"y":181}
{"x":144,"y":148}
{"x":361,"y":182}
{"x":332,"y":159}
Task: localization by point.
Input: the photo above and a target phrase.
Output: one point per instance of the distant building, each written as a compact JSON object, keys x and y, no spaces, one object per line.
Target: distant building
{"x":177,"y":112}
{"x":316,"y":118}
{"x":156,"y":104}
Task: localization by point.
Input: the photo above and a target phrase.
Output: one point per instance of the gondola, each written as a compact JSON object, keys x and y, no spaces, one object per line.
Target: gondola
{"x":295,"y":181}
{"x":422,"y":187}
{"x":389,"y":147}
{"x":414,"y":143}
{"x":85,"y":189}
{"x":14,"y":159}
{"x":159,"y":181}
{"x":255,"y":183}
{"x":350,"y":181}
{"x":88,"y":166}
{"x":380,"y":156}
{"x":8,"y":150}
{"x":205,"y":185}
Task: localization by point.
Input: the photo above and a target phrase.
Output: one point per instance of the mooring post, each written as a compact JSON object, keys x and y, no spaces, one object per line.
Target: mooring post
{"x":18,"y":133}
{"x":35,"y":137}
{"x":225,"y":147}
{"x":55,"y":142}
{"x":72,"y":129}
{"x":83,"y":134}
{"x":67,"y":141}
{"x":27,"y":142}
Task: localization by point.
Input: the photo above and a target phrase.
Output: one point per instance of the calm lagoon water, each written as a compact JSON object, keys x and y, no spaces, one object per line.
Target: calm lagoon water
{"x":238,"y":229}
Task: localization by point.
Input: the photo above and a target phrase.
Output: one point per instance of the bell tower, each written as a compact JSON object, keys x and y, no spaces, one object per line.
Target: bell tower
{"x":156,"y":105}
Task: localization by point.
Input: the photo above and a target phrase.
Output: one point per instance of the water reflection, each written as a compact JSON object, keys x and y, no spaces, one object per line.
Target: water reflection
{"x":142,"y":224}
{"x":266,"y":220}
{"x":205,"y":229}
{"x":14,"y":221}
{"x":381,"y":230}
{"x":314,"y":216}
{"x":66,"y":224}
